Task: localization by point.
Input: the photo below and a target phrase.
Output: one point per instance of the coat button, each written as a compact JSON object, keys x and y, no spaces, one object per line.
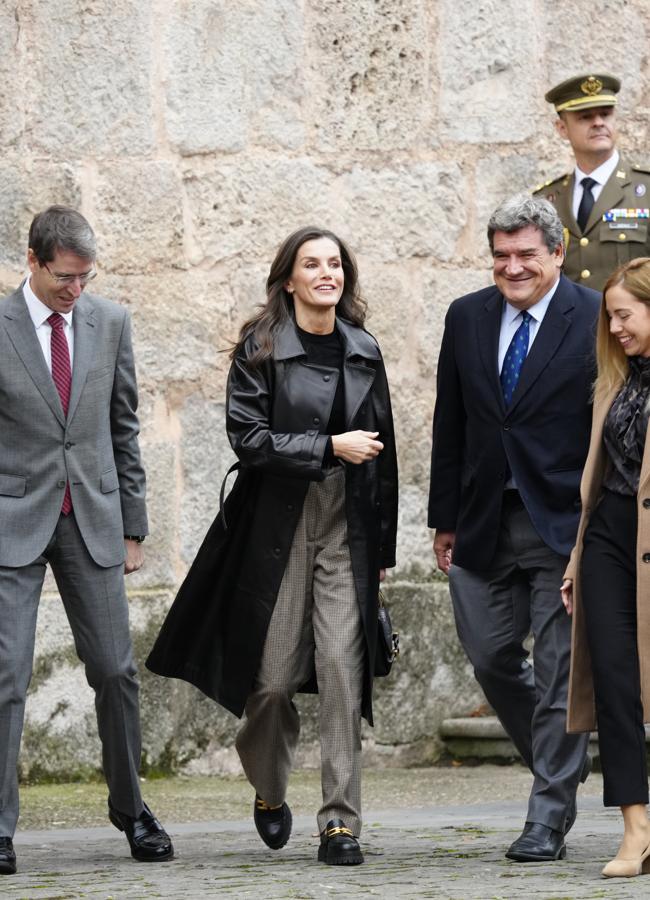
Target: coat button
{"x":326,"y":377}
{"x":622,"y":236}
{"x":290,"y":507}
{"x":646,"y":503}
{"x":316,"y":420}
{"x":584,"y":242}
{"x":585,"y":273}
{"x":277,"y":551}
{"x":646,"y":557}
{"x":60,"y":484}
{"x":506,"y":428}
{"x":67,"y":445}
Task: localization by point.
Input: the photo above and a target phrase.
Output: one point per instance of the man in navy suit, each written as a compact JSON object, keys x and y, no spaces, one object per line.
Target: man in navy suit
{"x":510,"y":437}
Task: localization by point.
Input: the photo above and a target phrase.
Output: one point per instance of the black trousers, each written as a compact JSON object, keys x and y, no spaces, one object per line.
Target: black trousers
{"x":608,"y":578}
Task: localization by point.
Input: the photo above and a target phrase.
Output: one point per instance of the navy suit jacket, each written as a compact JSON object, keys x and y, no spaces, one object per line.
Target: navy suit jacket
{"x":543,"y":436}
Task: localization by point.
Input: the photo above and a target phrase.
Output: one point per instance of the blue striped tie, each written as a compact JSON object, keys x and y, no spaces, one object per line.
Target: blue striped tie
{"x":514,"y":359}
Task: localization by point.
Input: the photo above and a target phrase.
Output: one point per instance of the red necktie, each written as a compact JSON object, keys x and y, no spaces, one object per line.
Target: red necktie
{"x":62,"y":377}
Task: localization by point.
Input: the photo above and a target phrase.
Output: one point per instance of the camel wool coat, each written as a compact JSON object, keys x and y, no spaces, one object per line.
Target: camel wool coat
{"x":581,"y":712}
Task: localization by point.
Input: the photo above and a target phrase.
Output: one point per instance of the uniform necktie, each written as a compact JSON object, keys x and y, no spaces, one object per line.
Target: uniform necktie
{"x":514,"y":358}
{"x":62,"y":377}
{"x":587,"y":202}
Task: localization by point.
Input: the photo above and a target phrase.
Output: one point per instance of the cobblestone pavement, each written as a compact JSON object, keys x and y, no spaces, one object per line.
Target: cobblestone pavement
{"x":453,"y":852}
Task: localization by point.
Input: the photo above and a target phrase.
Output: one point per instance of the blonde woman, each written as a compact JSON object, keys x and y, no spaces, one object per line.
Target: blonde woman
{"x":607,"y":582}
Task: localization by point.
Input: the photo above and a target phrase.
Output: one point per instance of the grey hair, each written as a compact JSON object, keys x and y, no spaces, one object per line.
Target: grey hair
{"x":521,"y":211}
{"x":61,"y":228}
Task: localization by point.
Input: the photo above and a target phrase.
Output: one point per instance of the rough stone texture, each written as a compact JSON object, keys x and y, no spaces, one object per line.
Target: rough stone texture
{"x":195,"y":136}
{"x":369,"y":72}
{"x":87,"y":77}
{"x":488,"y":73}
{"x":234,"y":74}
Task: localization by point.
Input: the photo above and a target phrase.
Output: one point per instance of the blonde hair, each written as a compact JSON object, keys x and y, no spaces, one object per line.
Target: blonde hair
{"x":613,"y":365}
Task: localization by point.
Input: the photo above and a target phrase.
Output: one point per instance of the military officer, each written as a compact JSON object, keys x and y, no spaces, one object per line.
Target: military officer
{"x":604,"y":202}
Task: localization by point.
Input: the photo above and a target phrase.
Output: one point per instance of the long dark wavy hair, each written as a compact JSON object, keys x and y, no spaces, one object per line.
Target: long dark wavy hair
{"x":278,"y":308}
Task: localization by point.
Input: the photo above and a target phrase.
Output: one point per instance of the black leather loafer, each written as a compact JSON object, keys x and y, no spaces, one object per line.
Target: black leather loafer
{"x":537,"y":843}
{"x":147,"y":838}
{"x":273,"y":823}
{"x":7,"y":857}
{"x":338,"y":846}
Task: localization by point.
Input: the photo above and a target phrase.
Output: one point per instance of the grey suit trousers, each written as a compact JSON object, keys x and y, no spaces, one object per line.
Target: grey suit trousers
{"x":96,"y":606}
{"x":495,"y":611}
{"x":316,"y":620}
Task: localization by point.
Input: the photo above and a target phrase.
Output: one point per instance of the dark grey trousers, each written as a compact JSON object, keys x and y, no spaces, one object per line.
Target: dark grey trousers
{"x":495,"y":612}
{"x":96,"y":606}
{"x":316,"y":622}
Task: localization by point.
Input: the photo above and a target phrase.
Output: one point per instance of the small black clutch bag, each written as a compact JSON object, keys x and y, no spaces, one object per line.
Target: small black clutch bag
{"x":387,"y":641}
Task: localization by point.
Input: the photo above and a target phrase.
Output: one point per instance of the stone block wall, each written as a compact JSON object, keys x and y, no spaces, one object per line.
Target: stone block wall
{"x":195,"y":136}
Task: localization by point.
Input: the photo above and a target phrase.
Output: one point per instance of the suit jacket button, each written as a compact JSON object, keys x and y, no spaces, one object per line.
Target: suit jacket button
{"x":316,"y":420}
{"x":60,"y":484}
{"x":646,"y":557}
{"x":326,"y":377}
{"x":506,"y":428}
{"x":646,"y":503}
{"x":277,"y":551}
{"x":67,"y":445}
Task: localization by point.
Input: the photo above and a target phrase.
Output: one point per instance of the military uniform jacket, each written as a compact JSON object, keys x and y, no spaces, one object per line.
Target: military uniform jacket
{"x":617,"y":229}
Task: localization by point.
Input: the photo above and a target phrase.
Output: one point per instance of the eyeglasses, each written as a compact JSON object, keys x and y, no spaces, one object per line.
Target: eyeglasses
{"x":63,"y":280}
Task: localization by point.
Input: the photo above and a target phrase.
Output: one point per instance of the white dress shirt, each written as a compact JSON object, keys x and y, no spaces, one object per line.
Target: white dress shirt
{"x":39,"y":314}
{"x":600,"y":175}
{"x":511,"y":319}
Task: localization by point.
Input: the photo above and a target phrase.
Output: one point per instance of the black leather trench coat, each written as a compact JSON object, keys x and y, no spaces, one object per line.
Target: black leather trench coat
{"x":214,"y":633}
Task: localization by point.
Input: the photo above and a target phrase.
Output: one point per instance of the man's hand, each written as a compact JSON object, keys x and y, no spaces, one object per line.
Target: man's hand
{"x":443,"y":545}
{"x":134,"y":556}
{"x":356,"y":446}
{"x":567,"y":595}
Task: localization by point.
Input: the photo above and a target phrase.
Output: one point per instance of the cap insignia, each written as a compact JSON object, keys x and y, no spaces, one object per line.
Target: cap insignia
{"x":591,"y":86}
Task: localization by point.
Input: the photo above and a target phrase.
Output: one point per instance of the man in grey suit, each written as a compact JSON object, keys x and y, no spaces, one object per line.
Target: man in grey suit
{"x":72,"y":494}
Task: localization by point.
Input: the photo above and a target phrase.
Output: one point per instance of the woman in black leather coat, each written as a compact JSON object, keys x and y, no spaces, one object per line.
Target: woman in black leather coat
{"x":283,"y":594}
{"x":308,"y":407}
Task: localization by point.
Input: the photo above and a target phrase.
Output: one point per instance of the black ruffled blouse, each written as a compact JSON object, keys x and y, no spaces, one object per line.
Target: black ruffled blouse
{"x":625,"y":430}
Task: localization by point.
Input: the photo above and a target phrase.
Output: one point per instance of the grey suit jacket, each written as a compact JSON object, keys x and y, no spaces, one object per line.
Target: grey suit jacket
{"x":96,"y":449}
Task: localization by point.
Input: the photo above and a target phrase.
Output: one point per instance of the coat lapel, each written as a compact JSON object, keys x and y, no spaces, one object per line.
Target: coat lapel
{"x":564,"y":205}
{"x":22,"y":335}
{"x":357,"y":377}
{"x":488,"y":327}
{"x":85,"y":334}
{"x":551,"y":333}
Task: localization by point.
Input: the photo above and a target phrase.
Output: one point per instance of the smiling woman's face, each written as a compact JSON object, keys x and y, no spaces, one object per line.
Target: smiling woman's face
{"x":629,"y":321}
{"x":317,"y":277}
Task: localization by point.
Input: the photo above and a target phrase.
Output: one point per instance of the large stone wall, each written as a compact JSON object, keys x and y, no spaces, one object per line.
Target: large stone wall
{"x":195,"y":136}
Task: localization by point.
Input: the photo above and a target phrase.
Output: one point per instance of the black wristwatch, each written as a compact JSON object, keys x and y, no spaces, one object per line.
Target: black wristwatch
{"x":138,"y":538}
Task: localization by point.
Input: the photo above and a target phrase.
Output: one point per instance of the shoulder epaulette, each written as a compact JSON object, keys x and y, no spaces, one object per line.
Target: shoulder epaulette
{"x":639,"y":168}
{"x":548,"y":183}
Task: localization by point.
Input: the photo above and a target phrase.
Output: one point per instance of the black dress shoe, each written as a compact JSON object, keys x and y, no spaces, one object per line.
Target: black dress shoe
{"x":537,"y":843}
{"x":273,"y":823}
{"x":338,"y":846}
{"x":7,"y":857}
{"x":147,"y":838}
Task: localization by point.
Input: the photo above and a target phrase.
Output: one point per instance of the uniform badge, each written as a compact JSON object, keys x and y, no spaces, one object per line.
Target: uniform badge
{"x":591,"y":86}
{"x":639,"y":190}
